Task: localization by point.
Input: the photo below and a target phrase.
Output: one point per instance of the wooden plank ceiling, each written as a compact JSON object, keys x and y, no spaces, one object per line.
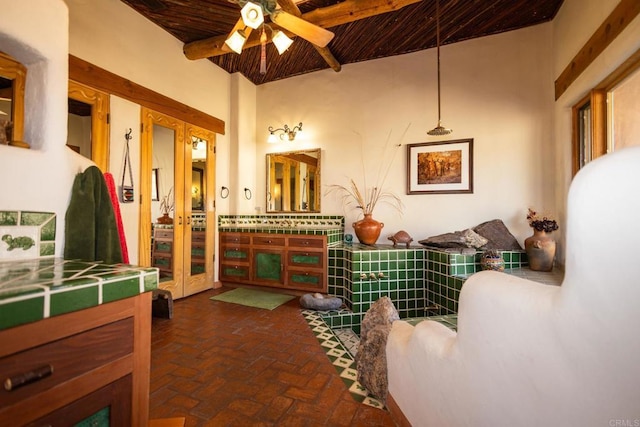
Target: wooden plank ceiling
{"x":407,"y":29}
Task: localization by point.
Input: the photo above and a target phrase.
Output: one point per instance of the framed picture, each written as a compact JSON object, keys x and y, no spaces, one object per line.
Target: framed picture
{"x":443,"y":167}
{"x":154,"y":185}
{"x":197,"y":188}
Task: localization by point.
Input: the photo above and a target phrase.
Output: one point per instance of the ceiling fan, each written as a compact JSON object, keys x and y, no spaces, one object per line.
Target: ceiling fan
{"x":252,"y":17}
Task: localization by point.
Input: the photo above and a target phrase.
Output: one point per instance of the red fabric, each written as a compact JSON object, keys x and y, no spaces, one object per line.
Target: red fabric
{"x":111,"y":186}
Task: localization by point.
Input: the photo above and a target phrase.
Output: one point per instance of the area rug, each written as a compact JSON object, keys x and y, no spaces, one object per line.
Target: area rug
{"x":253,"y":298}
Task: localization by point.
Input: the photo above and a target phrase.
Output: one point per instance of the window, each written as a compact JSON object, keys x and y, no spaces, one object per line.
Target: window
{"x":606,"y":119}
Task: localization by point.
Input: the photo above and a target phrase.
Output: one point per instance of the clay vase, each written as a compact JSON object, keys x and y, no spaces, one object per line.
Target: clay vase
{"x":367,"y":230}
{"x":541,"y":250}
{"x":165,"y":219}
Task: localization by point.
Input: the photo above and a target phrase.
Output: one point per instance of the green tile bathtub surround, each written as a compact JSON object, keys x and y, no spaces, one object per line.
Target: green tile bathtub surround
{"x":35,"y":289}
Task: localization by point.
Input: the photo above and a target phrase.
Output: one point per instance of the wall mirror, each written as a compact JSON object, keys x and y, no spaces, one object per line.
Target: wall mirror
{"x":293,"y":181}
{"x":87,"y":125}
{"x":12,"y":82}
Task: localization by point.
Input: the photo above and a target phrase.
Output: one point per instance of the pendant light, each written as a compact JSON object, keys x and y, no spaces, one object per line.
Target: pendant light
{"x":438,"y":130}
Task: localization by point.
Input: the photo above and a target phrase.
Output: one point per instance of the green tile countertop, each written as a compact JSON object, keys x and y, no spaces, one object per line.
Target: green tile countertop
{"x":35,"y":289}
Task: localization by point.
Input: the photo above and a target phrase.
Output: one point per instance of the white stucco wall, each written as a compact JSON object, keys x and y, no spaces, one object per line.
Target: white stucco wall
{"x":125,"y":43}
{"x":497,"y":90}
{"x":568,"y":39}
{"x":39,"y":179}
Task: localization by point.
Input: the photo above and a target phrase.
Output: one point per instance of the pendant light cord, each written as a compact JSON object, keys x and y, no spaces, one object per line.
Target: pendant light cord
{"x":438,"y":52}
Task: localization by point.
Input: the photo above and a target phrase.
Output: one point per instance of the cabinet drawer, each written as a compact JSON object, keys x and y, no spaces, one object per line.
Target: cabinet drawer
{"x":306,"y":280}
{"x":268,"y":240}
{"x":306,"y":259}
{"x":163,"y":234}
{"x":234,"y":272}
{"x":198,"y":236}
{"x":235,"y":253}
{"x":306,"y":242}
{"x":68,"y":358}
{"x":240,"y":239}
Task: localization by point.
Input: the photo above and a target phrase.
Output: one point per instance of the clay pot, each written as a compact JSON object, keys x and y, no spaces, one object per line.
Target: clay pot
{"x":165,"y":219}
{"x":541,"y":250}
{"x":491,"y":260}
{"x":367,"y":230}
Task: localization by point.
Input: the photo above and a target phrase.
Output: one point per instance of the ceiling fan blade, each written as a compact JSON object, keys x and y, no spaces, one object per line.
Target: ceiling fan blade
{"x":305,"y":29}
{"x":239,"y":26}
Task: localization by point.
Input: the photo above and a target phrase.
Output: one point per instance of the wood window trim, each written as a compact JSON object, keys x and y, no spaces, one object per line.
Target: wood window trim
{"x":606,"y":33}
{"x":14,"y":70}
{"x":105,"y":81}
{"x":598,"y":98}
{"x":99,"y":102}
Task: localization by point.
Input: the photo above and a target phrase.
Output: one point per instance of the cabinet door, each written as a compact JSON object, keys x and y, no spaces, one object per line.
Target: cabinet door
{"x":306,"y":280}
{"x":268,"y":266}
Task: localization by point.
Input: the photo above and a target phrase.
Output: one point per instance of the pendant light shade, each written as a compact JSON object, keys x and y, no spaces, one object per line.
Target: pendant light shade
{"x":438,"y":130}
{"x":252,"y":15}
{"x":236,"y":41}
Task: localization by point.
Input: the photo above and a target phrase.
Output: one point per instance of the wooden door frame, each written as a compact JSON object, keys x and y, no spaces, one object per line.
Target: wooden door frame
{"x":148,"y":119}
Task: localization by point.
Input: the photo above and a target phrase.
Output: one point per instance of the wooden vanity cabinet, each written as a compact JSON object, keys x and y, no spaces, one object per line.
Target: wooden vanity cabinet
{"x":306,"y":258}
{"x":296,"y":262}
{"x":162,"y":251}
{"x":235,"y":257}
{"x":89,"y":363}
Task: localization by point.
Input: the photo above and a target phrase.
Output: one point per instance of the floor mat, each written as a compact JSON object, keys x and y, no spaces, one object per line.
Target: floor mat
{"x":253,"y":298}
{"x":340,"y":357}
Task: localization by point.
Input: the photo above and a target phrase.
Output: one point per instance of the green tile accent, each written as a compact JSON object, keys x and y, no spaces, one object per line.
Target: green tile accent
{"x":19,"y":312}
{"x":73,"y":300}
{"x":120,"y":290}
{"x":8,"y":218}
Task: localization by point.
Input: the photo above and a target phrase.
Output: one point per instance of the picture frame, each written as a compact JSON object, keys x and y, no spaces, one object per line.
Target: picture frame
{"x":442,"y":167}
{"x":197,"y":189}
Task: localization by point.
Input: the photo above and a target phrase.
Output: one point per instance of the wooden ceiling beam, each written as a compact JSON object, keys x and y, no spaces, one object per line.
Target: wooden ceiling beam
{"x":327,"y":55}
{"x":326,"y":17}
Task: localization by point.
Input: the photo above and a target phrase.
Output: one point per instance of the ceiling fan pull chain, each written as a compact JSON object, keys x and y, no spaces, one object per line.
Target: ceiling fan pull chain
{"x":263,"y":52}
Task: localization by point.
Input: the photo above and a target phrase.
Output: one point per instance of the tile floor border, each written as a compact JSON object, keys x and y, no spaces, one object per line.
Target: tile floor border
{"x":340,"y":357}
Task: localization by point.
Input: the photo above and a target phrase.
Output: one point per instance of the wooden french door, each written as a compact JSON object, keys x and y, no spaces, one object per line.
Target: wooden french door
{"x":177,"y":168}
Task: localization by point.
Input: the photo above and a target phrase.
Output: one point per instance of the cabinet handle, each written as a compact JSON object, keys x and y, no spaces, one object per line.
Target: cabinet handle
{"x":189,"y":220}
{"x":179,"y":220}
{"x":19,"y":380}
{"x":268,"y":241}
{"x":306,"y":242}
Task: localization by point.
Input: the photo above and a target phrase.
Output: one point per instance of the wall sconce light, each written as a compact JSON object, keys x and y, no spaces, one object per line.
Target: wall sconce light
{"x":289,"y":132}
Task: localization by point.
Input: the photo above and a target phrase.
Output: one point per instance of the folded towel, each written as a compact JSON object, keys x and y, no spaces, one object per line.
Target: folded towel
{"x":111,"y":186}
{"x":91,"y":232}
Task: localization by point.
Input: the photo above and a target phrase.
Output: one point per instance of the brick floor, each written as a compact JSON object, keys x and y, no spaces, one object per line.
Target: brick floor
{"x":222,"y":364}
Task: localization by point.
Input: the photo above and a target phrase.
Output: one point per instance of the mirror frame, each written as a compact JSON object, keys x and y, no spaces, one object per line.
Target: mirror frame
{"x":14,"y":70}
{"x":100,"y":109}
{"x":317,"y":195}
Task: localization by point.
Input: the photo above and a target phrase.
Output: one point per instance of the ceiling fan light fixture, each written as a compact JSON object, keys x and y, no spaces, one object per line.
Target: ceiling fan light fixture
{"x":252,"y":15}
{"x":236,"y":41}
{"x":281,"y":41}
